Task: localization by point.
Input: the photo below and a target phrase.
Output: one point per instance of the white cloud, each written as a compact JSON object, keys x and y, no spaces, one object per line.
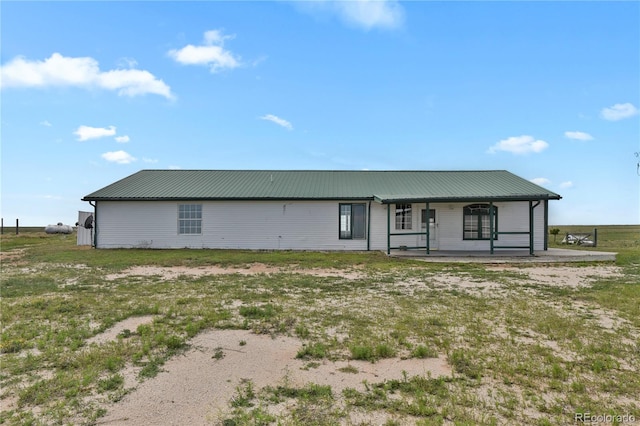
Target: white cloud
{"x":365,"y":14}
{"x":133,"y":82}
{"x":371,"y":13}
{"x":149,"y":160}
{"x":279,"y":121}
{"x":84,"y":133}
{"x":119,"y":157}
{"x":51,"y":197}
{"x":45,"y":123}
{"x":619,"y":112}
{"x":580,"y":136}
{"x":122,"y":139}
{"x":524,"y":144}
{"x":83,"y":72}
{"x":212,"y":53}
{"x":127,"y":63}
{"x":541,"y":181}
{"x":567,"y":184}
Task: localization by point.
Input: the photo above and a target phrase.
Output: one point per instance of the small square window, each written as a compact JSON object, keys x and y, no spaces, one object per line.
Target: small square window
{"x":190,"y":219}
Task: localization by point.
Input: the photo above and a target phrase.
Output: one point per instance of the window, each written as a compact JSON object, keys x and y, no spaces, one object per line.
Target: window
{"x":432,"y":218}
{"x":476,"y":222}
{"x":403,"y":216}
{"x":352,"y":221}
{"x":190,"y":219}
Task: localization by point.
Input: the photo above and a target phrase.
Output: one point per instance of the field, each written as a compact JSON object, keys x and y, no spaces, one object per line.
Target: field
{"x":140,"y":337}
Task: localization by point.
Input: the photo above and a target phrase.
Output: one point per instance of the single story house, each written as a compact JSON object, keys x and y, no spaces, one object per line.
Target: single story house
{"x":322,"y":210}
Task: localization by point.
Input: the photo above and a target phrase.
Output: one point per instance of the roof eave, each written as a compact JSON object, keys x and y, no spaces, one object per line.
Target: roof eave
{"x":87,"y":198}
{"x":537,"y":197}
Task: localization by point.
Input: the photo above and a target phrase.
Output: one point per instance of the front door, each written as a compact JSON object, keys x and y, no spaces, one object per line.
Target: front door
{"x":433,"y":237}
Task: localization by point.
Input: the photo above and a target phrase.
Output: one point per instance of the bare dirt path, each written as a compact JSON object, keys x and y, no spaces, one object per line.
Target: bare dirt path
{"x":195,"y":388}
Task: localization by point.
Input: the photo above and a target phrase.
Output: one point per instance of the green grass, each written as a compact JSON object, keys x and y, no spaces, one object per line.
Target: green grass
{"x":522,"y":353}
{"x":623,"y":239}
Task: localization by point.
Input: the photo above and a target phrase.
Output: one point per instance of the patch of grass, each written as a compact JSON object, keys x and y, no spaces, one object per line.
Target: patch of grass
{"x":311,"y":391}
{"x":350,"y":369}
{"x":384,"y":350}
{"x":372,"y":353}
{"x":218,"y":354}
{"x":111,"y":383}
{"x":421,"y":351}
{"x":151,"y":368}
{"x":362,"y":352}
{"x":302,"y":331}
{"x":258,"y":312}
{"x":28,"y":285}
{"x":245,"y":395}
{"x":426,"y":397}
{"x":463,"y":364}
{"x":315,"y":350}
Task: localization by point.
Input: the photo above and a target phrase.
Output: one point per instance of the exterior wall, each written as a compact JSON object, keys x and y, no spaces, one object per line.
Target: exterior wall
{"x":295,"y":225}
{"x":269,"y":225}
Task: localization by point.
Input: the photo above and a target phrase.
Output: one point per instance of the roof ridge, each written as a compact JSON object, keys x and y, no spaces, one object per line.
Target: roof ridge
{"x":329,"y":170}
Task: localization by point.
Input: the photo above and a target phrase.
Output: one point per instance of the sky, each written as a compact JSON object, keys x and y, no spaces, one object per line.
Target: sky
{"x":92,"y":92}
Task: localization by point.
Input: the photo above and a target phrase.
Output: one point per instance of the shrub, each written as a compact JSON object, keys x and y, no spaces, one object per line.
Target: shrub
{"x":421,"y":351}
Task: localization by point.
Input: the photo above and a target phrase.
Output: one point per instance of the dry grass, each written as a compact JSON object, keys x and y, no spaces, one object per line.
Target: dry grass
{"x":85,"y":332}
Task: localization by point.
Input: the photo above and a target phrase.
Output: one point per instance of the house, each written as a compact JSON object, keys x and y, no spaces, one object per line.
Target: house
{"x":322,"y":210}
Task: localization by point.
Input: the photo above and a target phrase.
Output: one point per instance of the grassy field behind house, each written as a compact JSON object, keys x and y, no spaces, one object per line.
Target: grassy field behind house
{"x":521,"y":354}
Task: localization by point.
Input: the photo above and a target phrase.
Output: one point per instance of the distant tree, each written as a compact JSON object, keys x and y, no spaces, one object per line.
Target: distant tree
{"x":554,"y":232}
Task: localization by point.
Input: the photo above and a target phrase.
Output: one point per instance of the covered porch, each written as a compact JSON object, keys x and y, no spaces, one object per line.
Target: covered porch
{"x":473,"y":228}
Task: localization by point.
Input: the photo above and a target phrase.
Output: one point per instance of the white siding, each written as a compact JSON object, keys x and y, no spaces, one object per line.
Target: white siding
{"x":295,"y":225}
{"x":85,"y":235}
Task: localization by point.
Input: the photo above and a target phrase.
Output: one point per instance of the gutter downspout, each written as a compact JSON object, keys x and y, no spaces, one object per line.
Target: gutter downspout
{"x":546,"y":225}
{"x":388,"y":229}
{"x":491,"y":230}
{"x":95,"y":224}
{"x":428,"y":232}
{"x":369,"y":227}
{"x":531,"y":239}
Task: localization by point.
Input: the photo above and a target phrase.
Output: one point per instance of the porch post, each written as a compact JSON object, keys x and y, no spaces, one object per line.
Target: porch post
{"x":491,"y":216}
{"x":388,"y":229}
{"x":428,"y":220}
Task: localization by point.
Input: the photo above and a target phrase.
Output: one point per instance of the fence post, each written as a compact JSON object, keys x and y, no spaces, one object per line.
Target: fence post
{"x":17,"y":226}
{"x":595,"y":237}
{"x":2,"y":226}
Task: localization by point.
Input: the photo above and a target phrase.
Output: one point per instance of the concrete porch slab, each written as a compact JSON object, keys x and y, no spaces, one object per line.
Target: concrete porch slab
{"x":552,"y":255}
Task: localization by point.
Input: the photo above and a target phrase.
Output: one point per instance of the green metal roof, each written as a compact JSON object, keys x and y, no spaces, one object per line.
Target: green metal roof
{"x":382,"y":186}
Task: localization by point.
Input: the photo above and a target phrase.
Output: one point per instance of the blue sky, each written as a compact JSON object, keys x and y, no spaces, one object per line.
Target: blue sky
{"x":92,"y":92}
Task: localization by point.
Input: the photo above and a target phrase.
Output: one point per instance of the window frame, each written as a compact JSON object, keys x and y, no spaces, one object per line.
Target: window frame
{"x":404,"y":216}
{"x":350,"y":223}
{"x":423,"y":216}
{"x":189,"y":219}
{"x":481,"y":225}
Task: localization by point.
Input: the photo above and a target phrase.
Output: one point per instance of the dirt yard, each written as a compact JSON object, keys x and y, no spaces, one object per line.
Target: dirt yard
{"x":196,"y":387}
